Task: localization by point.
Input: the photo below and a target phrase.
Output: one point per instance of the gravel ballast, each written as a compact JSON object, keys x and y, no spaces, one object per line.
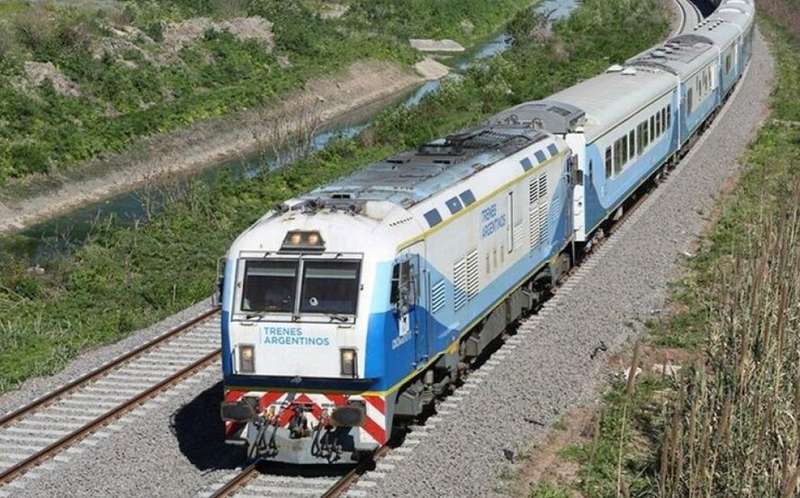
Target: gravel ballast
{"x":172,"y":446}
{"x":548,"y":369}
{"x":91,"y":360}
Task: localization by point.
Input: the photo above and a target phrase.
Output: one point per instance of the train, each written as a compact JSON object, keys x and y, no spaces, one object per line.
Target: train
{"x":347,"y":311}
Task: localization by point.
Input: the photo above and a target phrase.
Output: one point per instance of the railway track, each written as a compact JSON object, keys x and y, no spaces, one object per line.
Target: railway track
{"x":690,"y":16}
{"x":56,"y":422}
{"x":265,"y":480}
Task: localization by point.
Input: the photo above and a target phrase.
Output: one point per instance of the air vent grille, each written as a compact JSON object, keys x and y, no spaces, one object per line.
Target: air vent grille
{"x":438,"y":296}
{"x":460,"y":284}
{"x":473,"y":277}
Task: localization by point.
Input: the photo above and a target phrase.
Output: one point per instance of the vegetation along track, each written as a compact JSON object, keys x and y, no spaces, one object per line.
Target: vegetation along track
{"x":55,"y":422}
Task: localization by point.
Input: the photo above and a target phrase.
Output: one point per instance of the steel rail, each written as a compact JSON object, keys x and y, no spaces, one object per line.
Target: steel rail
{"x":238,"y":482}
{"x":683,"y":12}
{"x":107,"y":417}
{"x":95,"y":375}
{"x":342,"y":485}
{"x":101,"y":371}
{"x":251,"y":472}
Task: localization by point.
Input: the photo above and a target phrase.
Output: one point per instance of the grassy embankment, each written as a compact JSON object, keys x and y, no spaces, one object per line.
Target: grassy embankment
{"x":727,"y":426}
{"x":138,"y":67}
{"x":126,"y":278}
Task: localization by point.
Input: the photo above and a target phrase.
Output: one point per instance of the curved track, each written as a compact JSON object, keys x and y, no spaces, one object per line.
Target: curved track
{"x":40,"y":430}
{"x":690,"y":16}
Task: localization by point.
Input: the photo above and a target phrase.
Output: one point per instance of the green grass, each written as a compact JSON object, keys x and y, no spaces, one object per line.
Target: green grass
{"x":123,"y":279}
{"x":10,"y":7}
{"x":669,"y":417}
{"x":549,"y":490}
{"x":136,"y":92}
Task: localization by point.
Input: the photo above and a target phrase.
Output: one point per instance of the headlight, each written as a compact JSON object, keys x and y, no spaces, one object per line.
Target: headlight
{"x":247,"y":359}
{"x":348,"y":362}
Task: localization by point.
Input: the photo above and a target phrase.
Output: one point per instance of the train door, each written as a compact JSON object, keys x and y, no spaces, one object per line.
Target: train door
{"x":412,"y":305}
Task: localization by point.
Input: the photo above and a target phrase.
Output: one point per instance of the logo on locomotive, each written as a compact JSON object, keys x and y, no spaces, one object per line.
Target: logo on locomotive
{"x":291,"y":336}
{"x":491,"y":221}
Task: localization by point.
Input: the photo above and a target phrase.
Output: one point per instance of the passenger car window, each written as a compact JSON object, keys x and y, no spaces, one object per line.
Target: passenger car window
{"x":631,"y":142}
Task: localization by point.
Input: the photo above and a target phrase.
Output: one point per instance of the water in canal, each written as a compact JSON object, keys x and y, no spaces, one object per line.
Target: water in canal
{"x":40,"y":242}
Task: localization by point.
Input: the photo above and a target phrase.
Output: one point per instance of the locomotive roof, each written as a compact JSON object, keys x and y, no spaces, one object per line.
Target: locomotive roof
{"x":410,"y":177}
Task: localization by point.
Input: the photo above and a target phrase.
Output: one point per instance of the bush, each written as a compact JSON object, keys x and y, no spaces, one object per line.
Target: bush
{"x":29,"y":158}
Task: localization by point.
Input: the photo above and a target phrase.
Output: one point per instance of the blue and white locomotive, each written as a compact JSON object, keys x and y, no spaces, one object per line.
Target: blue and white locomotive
{"x":351,"y":308}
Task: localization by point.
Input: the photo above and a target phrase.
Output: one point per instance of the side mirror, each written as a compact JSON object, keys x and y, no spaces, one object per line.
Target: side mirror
{"x":216,"y":297}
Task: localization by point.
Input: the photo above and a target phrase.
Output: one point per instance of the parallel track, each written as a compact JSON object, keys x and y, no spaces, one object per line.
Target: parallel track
{"x":40,"y":430}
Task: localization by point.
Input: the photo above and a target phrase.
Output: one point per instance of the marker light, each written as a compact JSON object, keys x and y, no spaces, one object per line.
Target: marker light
{"x":297,"y":240}
{"x":247,"y":359}
{"x":348,"y":362}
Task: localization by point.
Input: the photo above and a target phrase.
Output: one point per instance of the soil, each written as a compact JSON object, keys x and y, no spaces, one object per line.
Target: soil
{"x":544,"y":463}
{"x":180,"y":34}
{"x":204,"y":144}
{"x":38,"y":72}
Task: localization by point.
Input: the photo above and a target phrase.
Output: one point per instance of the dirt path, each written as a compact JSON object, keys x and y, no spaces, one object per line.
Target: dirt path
{"x":205,"y":144}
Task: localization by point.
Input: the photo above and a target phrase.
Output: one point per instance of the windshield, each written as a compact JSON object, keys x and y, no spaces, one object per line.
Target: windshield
{"x":269,"y":286}
{"x":330,"y":287}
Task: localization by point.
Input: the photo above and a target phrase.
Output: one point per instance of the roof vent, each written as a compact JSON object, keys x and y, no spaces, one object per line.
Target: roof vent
{"x":658,"y":54}
{"x":629,"y":71}
{"x":616,"y":68}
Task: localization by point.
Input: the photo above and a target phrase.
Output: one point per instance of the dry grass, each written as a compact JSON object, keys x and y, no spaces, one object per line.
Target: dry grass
{"x":788,"y":11}
{"x":734,"y":429}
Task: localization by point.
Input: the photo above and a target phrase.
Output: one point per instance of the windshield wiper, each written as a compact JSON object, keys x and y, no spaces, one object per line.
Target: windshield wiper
{"x":339,"y":318}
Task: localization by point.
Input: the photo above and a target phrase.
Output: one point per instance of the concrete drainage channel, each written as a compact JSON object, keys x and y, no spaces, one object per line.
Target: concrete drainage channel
{"x":66,"y":421}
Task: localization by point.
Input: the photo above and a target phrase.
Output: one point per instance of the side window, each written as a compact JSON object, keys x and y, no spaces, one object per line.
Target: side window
{"x":625,"y":150}
{"x":646,"y":130}
{"x":690,"y":101}
{"x":664,"y":119}
{"x":658,"y":124}
{"x":631,"y":142}
{"x":403,"y":293}
{"x":639,"y":137}
{"x":609,"y":163}
{"x":669,"y":115}
{"x":728,"y":64}
{"x":617,"y":156}
{"x":652,"y":128}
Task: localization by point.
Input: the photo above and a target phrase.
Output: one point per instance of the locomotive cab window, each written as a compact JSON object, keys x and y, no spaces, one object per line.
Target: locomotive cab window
{"x":330,"y":287}
{"x":269,"y":286}
{"x":403,"y":292}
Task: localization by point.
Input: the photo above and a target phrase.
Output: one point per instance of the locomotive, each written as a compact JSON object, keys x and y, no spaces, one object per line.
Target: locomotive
{"x":348,"y":310}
